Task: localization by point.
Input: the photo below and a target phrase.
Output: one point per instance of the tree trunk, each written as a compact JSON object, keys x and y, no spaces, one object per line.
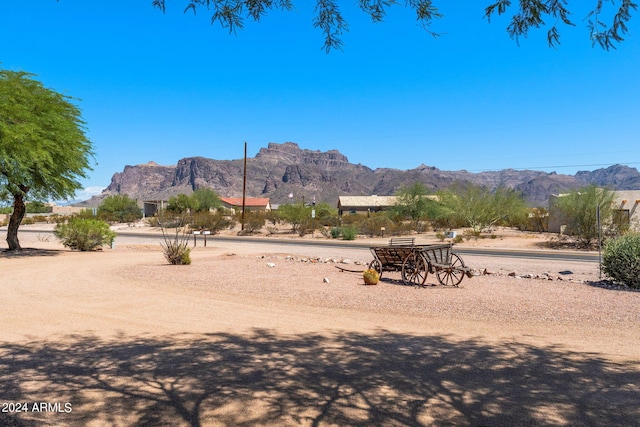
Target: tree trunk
{"x":19,"y":210}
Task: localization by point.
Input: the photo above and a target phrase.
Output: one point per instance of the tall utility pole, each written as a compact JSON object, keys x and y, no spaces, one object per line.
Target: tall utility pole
{"x":244,"y":186}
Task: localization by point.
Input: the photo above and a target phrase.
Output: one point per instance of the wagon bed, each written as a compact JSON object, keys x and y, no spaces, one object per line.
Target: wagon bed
{"x":415,"y":262}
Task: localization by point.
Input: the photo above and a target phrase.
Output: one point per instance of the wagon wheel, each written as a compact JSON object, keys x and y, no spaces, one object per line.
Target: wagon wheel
{"x":452,"y":275}
{"x":377,"y":266}
{"x":414,"y":269}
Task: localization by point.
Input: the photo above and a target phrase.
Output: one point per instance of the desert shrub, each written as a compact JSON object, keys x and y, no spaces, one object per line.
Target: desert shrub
{"x":621,"y":259}
{"x":57,"y":218}
{"x":85,"y":214}
{"x":295,"y":214}
{"x":212,"y":221}
{"x":479,"y":207}
{"x":119,"y":208}
{"x":253,"y":221}
{"x":305,"y":227}
{"x":84,"y":234}
{"x":326,"y":215}
{"x":578,"y":211}
{"x":372,"y":224}
{"x":39,"y":218}
{"x":335,"y":232}
{"x":325,"y":232}
{"x":175,"y":243}
{"x":27,"y":221}
{"x":176,"y":252}
{"x":152,"y":221}
{"x":349,"y":233}
{"x":471,"y":234}
{"x":537,"y":219}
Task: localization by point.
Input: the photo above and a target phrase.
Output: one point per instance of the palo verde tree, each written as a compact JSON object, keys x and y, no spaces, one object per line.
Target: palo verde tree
{"x":43,"y":146}
{"x":606,"y":20}
{"x":119,"y":208}
{"x":205,"y":199}
{"x":478,"y":207}
{"x":295,"y":214}
{"x":413,"y":203}
{"x":579,"y":210}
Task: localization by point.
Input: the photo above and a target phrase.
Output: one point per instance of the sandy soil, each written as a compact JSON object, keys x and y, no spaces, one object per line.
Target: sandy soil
{"x":250,"y":336}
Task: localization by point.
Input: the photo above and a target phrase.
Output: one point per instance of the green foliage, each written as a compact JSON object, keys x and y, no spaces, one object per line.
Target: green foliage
{"x":478,"y":207}
{"x":372,"y":224}
{"x":36,"y":207}
{"x":201,"y":200}
{"x":349,"y":233}
{"x":326,"y":215}
{"x":85,"y":213}
{"x":295,"y":214}
{"x":412,"y":203}
{"x":536,"y":220}
{"x":181,"y":203}
{"x":621,"y":259}
{"x":523,"y":15}
{"x":43,"y":147}
{"x":578,"y":209}
{"x":335,"y":232}
{"x":212,"y":221}
{"x":272,"y":216}
{"x":205,"y":199}
{"x":253,"y":221}
{"x":84,"y":234}
{"x":119,"y":208}
{"x":39,"y":218}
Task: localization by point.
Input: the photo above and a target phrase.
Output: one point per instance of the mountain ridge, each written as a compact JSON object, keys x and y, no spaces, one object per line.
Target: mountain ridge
{"x":282,"y":169}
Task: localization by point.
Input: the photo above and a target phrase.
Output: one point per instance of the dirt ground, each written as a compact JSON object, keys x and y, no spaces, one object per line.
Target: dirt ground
{"x":277,"y":335}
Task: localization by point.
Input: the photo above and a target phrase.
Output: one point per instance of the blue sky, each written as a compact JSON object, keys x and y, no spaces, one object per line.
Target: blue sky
{"x":161,"y":87}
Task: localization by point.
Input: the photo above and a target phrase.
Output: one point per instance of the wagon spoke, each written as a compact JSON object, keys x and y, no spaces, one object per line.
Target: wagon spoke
{"x":452,"y":275}
{"x":377,"y":266}
{"x":414,"y":269}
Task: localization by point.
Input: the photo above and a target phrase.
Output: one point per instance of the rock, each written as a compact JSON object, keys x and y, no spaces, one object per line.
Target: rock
{"x":331,"y":174}
{"x":270,"y":265}
{"x":326,"y":280}
{"x":346,"y":261}
{"x":512,"y":274}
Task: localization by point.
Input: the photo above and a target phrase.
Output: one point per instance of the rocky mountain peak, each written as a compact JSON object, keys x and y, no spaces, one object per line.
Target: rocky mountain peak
{"x":282,"y":169}
{"x":292,"y":153}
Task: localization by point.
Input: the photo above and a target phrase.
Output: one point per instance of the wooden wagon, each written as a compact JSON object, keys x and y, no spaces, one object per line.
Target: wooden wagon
{"x":415,"y":262}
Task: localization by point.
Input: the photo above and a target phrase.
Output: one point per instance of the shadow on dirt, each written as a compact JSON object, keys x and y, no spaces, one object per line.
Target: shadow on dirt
{"x":345,"y":378}
{"x":30,"y":252}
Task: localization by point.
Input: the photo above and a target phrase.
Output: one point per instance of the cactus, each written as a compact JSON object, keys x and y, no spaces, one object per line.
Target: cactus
{"x":371,"y":277}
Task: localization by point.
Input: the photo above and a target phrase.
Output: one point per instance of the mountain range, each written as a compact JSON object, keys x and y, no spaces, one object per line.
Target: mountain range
{"x":281,"y":170}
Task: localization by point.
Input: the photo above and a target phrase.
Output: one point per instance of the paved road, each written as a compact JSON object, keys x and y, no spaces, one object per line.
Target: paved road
{"x":139,"y":238}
